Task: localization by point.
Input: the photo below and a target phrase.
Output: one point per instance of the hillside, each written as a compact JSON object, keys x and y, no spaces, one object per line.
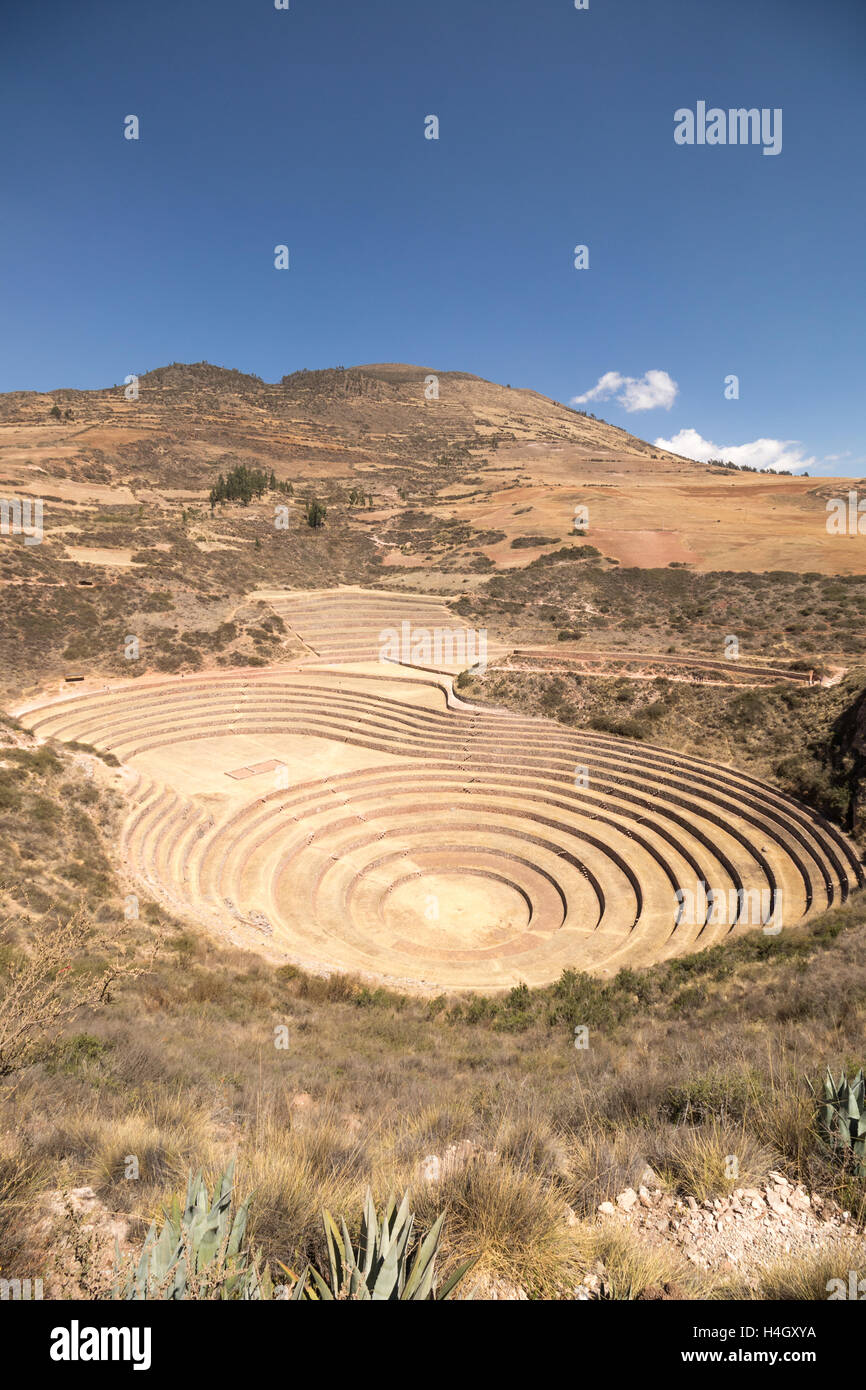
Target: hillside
{"x":502,"y":464}
{"x":385,"y":398}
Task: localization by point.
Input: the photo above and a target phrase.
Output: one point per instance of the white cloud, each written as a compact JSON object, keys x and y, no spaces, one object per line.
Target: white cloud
{"x":760,"y":453}
{"x":649,"y":392}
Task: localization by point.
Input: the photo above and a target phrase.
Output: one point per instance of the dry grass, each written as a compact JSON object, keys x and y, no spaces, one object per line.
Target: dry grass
{"x":806,"y":1278}
{"x":45,"y":988}
{"x":22,"y":1177}
{"x":166,"y":1136}
{"x":508,"y":1217}
{"x":782,"y":1114}
{"x":292,"y":1169}
{"x":710,"y":1160}
{"x":602,"y":1163}
{"x":636,"y":1268}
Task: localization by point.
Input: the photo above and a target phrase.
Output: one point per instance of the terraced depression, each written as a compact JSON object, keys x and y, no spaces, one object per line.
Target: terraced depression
{"x":349,"y":813}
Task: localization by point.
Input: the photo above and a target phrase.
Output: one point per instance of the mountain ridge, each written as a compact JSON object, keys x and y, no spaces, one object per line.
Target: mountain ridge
{"x":464,"y":401}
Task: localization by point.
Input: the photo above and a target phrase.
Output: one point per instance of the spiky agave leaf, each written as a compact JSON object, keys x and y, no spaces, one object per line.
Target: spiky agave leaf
{"x":382,"y":1268}
{"x":454,"y":1279}
{"x":420,"y":1281}
{"x":200,"y":1237}
{"x":842,"y":1116}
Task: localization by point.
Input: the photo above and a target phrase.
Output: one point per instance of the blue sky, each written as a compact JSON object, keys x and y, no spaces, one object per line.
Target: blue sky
{"x":305,"y":127}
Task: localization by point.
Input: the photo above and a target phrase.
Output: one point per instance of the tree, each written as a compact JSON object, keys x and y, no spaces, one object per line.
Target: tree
{"x":316,"y":513}
{"x":242,"y":484}
{"x":40,"y":991}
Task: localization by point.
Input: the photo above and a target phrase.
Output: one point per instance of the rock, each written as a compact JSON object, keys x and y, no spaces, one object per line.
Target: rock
{"x":776,"y":1201}
{"x":95,"y":1219}
{"x":456,"y":1156}
{"x":454,"y":1160}
{"x":741,"y":1232}
{"x":428,"y":1168}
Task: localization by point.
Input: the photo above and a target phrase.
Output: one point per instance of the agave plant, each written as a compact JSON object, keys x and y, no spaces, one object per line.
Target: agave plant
{"x":842,"y":1118}
{"x":382,"y":1267}
{"x":199,"y":1253}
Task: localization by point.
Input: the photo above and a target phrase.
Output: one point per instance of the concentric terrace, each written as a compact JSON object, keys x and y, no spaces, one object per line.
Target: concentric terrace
{"x":349,"y":814}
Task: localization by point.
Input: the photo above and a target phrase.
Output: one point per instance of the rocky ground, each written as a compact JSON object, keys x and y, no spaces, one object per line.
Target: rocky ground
{"x":734,"y":1236}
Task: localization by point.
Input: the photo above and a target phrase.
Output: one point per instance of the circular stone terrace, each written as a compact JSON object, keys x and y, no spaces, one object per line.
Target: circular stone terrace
{"x":352,"y":814}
